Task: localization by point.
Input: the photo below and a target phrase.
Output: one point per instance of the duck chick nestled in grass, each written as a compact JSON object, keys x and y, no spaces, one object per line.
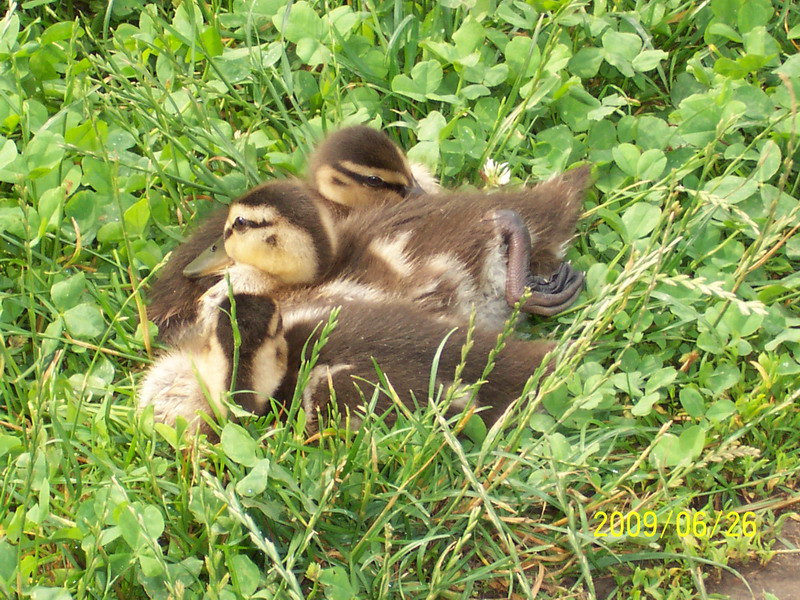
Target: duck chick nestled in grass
{"x":282,"y":228}
{"x":393,"y":335}
{"x":354,"y":168}
{"x":404,"y":342}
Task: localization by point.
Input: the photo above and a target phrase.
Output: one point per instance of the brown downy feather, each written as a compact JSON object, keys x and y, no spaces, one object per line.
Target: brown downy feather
{"x":173,"y":297}
{"x":404,"y":343}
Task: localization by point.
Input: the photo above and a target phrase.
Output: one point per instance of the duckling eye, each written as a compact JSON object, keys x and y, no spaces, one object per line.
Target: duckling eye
{"x":241,"y":224}
{"x":374,"y":181}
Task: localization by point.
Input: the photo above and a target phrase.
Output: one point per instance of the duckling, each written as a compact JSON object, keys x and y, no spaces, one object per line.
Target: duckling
{"x":289,"y":234}
{"x":175,"y":383}
{"x":403,"y":341}
{"x":353,"y":168}
{"x":396,"y":336}
{"x":472,"y":250}
{"x":358,"y":167}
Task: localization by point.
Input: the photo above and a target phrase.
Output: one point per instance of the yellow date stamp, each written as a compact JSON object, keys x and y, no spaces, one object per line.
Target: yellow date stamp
{"x":698,"y":524}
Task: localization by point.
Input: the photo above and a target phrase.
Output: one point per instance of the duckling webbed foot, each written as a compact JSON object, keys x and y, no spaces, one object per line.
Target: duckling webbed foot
{"x":554,"y":294}
{"x":548,"y":296}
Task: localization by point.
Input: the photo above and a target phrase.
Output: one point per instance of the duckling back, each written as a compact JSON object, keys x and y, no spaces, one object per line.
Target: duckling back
{"x":404,"y":343}
{"x":448,"y":256}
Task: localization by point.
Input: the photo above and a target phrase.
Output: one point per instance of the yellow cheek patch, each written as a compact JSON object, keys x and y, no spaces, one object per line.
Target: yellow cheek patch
{"x":346,"y":189}
{"x":339,"y":188}
{"x":292,"y":258}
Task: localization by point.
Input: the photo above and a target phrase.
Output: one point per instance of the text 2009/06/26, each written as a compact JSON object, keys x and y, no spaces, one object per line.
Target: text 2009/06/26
{"x":698,"y":524}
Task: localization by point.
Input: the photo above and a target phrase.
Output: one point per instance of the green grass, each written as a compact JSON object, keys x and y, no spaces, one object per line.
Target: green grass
{"x":119,"y":123}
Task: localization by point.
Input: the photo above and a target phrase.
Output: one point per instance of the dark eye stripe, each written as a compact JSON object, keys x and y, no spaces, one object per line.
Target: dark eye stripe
{"x":240,"y":224}
{"x":365,"y":181}
{"x":395,"y":187}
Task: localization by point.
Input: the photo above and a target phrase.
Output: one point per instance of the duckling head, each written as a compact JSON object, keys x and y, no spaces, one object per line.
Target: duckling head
{"x":360,"y":166}
{"x":279,"y":229}
{"x":183,"y":381}
{"x":262,"y":349}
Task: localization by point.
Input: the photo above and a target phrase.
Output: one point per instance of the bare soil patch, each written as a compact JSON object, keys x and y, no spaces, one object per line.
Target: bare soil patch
{"x":779,"y":577}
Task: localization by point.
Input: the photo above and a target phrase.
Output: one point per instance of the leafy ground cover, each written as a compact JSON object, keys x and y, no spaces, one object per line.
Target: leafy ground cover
{"x":120,"y":122}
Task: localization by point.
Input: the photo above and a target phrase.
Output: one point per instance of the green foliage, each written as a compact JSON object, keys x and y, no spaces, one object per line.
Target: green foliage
{"x":120,"y":121}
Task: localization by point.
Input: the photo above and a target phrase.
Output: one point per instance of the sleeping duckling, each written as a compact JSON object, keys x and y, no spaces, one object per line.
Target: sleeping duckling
{"x":175,"y":383}
{"x":396,"y":336}
{"x":353,"y":168}
{"x":465,"y":251}
{"x":358,"y":167}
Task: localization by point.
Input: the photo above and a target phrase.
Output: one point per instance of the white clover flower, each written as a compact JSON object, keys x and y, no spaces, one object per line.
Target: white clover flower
{"x":495,"y":174}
